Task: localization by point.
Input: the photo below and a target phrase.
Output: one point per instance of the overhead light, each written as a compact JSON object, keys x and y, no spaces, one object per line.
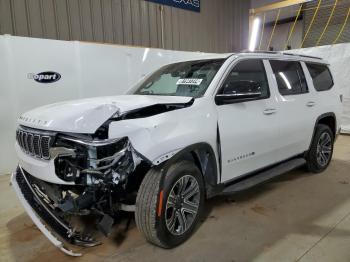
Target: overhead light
{"x":285,"y":79}
{"x":145,"y":55}
{"x":254,"y":35}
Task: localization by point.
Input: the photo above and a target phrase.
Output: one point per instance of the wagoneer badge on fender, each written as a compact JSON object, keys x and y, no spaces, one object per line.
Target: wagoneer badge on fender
{"x":45,"y":77}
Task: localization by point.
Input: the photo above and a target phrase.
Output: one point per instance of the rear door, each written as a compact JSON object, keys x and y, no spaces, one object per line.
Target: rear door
{"x":296,"y":107}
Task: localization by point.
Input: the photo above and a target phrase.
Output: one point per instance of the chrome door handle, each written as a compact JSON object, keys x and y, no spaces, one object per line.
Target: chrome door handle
{"x":310,"y":104}
{"x":269,"y":111}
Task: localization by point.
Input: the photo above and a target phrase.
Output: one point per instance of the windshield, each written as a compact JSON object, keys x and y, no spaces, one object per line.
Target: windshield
{"x":190,"y":78}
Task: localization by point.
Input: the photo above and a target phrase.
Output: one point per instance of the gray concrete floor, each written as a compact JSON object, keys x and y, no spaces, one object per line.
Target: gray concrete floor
{"x":296,"y":217}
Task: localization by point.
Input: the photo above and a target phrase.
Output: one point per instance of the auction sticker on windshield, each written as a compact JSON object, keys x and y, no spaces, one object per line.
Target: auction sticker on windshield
{"x":189,"y":81}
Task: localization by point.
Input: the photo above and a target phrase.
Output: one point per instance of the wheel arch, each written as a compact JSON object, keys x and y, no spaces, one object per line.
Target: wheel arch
{"x":328,"y":119}
{"x":203,"y":156}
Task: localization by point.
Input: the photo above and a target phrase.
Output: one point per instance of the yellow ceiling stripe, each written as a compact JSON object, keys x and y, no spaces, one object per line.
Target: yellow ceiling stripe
{"x":329,"y":20}
{"x":311,"y":23}
{"x":342,"y":28}
{"x":274,"y":27}
{"x":293,"y":26}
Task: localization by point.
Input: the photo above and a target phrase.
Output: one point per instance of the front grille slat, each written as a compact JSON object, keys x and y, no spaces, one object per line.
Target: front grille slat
{"x":30,"y":143}
{"x":34,"y":143}
{"x":25,"y":145}
{"x":45,"y":147}
{"x":21,"y":139}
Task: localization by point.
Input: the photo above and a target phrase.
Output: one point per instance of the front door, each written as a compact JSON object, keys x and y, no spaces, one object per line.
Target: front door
{"x":249,"y":134}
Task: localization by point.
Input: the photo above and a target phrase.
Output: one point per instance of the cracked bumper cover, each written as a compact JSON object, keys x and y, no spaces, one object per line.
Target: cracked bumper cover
{"x":24,"y":192}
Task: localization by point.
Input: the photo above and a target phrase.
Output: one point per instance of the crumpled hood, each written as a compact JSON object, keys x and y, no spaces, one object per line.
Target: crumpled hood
{"x":87,"y":115}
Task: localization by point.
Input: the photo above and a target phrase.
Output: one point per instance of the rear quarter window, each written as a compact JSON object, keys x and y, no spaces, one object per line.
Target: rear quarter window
{"x":321,"y":76}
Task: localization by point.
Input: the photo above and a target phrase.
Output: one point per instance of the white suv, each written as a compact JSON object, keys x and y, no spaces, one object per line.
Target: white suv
{"x":188,"y":132}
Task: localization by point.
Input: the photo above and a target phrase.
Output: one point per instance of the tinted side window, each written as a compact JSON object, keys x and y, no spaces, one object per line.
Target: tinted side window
{"x":290,"y":77}
{"x":251,"y":70}
{"x":321,"y":76}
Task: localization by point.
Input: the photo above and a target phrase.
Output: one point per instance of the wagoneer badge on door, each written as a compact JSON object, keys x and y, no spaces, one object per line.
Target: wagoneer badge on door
{"x":45,"y":77}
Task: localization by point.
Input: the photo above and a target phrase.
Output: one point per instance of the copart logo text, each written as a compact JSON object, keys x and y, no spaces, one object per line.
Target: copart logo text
{"x":45,"y":77}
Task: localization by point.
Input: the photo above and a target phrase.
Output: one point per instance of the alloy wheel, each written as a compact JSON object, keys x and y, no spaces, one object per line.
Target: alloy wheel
{"x":182,"y":205}
{"x":324,"y":149}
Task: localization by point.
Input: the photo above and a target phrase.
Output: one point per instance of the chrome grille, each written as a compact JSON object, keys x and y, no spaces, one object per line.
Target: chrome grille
{"x":34,"y":143}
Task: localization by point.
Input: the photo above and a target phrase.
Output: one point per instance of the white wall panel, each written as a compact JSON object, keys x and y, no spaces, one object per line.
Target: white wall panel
{"x":87,"y":70}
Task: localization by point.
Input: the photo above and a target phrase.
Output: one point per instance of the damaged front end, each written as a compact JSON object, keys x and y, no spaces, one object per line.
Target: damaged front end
{"x":106,"y":174}
{"x":101,"y":181}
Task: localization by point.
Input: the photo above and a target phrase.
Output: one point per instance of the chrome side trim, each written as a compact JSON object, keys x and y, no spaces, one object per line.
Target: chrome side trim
{"x":91,"y":142}
{"x":238,"y":95}
{"x":36,"y":131}
{"x":61,"y":151}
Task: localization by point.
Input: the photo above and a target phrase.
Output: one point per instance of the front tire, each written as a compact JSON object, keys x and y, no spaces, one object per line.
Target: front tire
{"x":169,"y":208}
{"x":321,"y":150}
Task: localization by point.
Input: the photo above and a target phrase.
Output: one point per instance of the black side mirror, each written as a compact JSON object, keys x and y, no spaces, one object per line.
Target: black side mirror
{"x":238,"y":91}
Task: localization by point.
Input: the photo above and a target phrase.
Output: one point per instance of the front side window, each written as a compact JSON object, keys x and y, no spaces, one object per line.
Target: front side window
{"x":289,"y":76}
{"x":246,"y":74}
{"x":321,"y":76}
{"x":190,"y":79}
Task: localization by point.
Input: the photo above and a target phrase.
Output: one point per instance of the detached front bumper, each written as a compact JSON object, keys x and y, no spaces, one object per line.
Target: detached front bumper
{"x":38,"y":211}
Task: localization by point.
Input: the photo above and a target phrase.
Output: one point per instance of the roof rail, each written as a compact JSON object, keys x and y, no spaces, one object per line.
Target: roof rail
{"x":280,"y":53}
{"x":307,"y":56}
{"x":260,"y":52}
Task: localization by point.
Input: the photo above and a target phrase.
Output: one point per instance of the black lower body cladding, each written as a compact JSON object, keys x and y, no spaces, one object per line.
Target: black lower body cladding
{"x":47,"y":214}
{"x":71,"y":209}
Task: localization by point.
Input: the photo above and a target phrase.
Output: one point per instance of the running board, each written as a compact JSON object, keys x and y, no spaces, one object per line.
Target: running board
{"x":264,"y":176}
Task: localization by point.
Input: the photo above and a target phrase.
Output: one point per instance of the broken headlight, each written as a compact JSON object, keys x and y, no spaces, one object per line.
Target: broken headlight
{"x":96,"y":161}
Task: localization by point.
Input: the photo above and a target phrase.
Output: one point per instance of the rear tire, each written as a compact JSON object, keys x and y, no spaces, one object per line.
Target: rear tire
{"x":321,"y":150}
{"x":168,"y":209}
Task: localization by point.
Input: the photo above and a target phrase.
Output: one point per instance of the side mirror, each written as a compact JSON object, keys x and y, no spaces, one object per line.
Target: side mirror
{"x":238,"y":91}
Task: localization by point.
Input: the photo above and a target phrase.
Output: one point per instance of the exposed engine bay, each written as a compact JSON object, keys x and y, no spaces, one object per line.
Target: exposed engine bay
{"x":102,"y":175}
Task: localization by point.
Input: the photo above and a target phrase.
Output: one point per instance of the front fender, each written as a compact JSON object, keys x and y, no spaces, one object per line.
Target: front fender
{"x":160,"y":137}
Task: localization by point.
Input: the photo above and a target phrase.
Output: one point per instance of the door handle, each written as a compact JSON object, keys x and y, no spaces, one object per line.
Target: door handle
{"x":269,"y":111}
{"x":310,"y":104}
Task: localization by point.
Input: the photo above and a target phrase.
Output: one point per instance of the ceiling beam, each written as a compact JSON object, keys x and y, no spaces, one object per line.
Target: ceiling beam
{"x":277,"y":5}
